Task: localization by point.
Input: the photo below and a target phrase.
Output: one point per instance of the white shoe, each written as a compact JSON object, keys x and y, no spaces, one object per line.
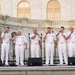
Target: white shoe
{"x":66,"y":63}
{"x":17,"y":64}
{"x":22,"y":64}
{"x":52,"y":64}
{"x":61,"y":64}
{"x":6,"y":64}
{"x":46,"y":64}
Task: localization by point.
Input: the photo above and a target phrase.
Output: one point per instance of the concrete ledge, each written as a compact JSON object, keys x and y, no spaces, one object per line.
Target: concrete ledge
{"x":50,"y":72}
{"x":38,"y":70}
{"x":12,"y":72}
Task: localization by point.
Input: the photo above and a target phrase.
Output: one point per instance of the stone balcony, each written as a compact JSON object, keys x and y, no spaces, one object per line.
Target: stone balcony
{"x":24,"y":22}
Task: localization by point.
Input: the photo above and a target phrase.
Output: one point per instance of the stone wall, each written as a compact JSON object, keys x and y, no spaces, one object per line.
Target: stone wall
{"x":39,"y":8}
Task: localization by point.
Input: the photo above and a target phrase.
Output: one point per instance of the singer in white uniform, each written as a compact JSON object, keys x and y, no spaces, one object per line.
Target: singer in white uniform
{"x":71,"y":43}
{"x":35,"y":43}
{"x":6,"y":37}
{"x":49,"y":42}
{"x":62,"y":49}
{"x":20,"y":46}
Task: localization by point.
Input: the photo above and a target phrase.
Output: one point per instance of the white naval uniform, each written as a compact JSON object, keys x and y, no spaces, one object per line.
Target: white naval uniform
{"x":71,"y":45}
{"x":35,"y":46}
{"x":5,"y":47}
{"x":19,"y":49}
{"x":62,"y":49}
{"x":49,"y":47}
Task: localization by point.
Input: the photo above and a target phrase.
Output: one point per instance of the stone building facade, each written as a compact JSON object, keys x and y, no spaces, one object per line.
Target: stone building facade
{"x":25,"y":14}
{"x":39,"y":9}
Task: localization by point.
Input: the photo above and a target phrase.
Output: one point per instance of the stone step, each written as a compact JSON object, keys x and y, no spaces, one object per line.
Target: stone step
{"x":37,"y":70}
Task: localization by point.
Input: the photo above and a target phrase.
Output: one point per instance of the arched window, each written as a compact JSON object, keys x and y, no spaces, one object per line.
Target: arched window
{"x":24,"y":9}
{"x":53,"y":10}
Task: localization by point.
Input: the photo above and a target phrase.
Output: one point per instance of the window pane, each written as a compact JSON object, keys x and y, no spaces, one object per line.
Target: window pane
{"x":24,"y":10}
{"x":53,"y":10}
